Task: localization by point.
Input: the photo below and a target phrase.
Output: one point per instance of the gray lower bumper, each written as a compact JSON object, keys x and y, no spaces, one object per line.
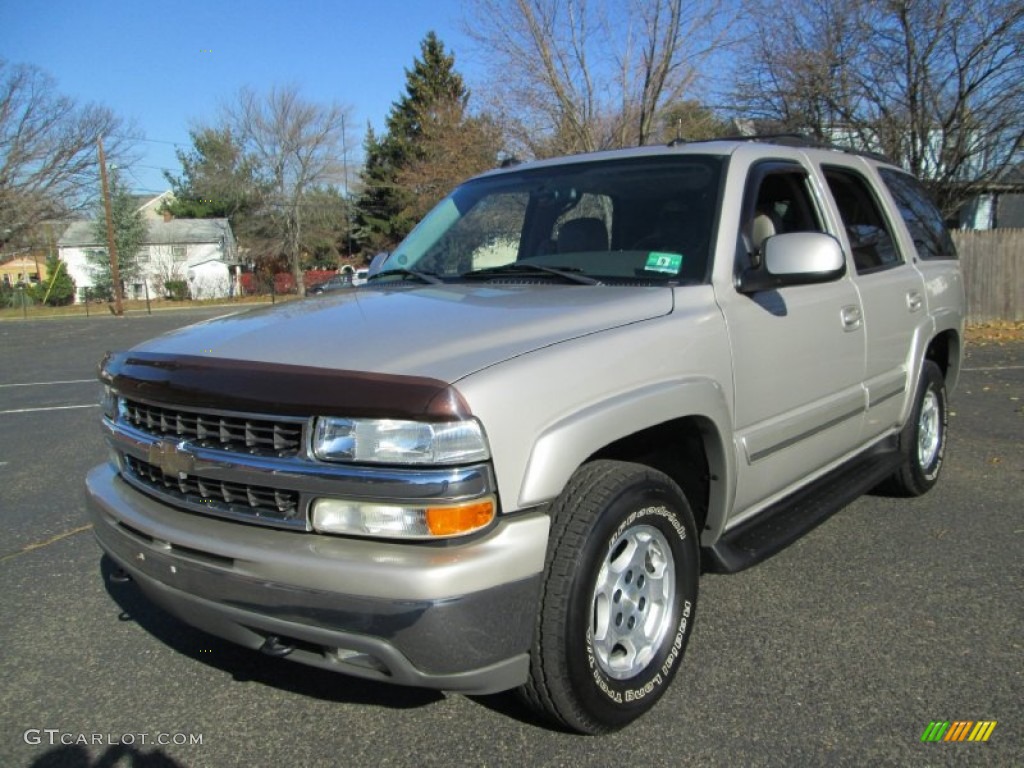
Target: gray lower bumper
{"x":407,"y":614}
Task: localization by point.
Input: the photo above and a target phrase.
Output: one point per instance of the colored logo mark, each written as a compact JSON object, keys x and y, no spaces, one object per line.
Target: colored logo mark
{"x":958,"y":730}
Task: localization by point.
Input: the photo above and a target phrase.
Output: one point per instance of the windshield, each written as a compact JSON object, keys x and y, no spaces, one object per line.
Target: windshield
{"x":625,"y":221}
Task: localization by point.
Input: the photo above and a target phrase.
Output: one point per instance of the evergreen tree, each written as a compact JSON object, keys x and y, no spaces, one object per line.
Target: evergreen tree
{"x":58,"y":289}
{"x":217,"y":179}
{"x":382,"y":217}
{"x":129,"y":233}
{"x":325,"y":233}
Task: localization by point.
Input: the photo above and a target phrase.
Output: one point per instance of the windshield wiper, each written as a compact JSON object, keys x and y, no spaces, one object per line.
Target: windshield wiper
{"x":572,"y":274}
{"x":423,"y":277}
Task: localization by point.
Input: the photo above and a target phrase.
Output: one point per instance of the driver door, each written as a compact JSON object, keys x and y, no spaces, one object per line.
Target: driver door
{"x":798,"y":351}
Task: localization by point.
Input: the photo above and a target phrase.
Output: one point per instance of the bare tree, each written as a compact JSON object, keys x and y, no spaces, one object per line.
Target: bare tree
{"x":166,"y":271}
{"x":296,"y":145}
{"x":48,"y":149}
{"x":579,"y":75}
{"x":936,"y":84}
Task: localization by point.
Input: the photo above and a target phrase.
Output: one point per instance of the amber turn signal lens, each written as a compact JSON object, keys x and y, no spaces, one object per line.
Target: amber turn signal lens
{"x":451,"y":521}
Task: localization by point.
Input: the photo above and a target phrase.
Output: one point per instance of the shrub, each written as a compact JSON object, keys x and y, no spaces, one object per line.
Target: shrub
{"x":314,"y":277}
{"x":176,"y":290}
{"x":248,"y":283}
{"x":284,"y":283}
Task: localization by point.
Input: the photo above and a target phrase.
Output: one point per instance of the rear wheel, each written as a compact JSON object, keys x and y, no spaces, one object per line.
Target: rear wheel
{"x":923,"y":440}
{"x":619,"y":597}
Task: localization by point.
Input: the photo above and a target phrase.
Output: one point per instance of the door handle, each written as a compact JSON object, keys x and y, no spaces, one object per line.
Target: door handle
{"x":914,"y":301}
{"x":851,"y":317}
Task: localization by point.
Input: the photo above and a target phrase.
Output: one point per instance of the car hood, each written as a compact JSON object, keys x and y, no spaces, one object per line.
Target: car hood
{"x":440,"y":332}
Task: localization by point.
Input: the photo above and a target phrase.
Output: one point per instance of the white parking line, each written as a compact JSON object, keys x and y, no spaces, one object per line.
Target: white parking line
{"x":996,"y":368}
{"x":50,"y":408}
{"x":47,"y":383}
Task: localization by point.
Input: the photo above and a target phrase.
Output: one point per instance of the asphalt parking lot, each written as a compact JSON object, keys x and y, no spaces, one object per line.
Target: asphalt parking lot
{"x":838,"y":651}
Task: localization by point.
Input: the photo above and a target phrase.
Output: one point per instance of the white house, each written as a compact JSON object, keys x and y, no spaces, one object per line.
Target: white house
{"x":202,"y":252}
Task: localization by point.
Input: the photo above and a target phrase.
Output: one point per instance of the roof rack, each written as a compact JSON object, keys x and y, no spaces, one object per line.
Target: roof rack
{"x":798,"y":140}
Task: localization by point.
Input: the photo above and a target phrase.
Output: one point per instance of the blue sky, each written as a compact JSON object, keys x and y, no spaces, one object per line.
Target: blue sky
{"x":164,"y":65}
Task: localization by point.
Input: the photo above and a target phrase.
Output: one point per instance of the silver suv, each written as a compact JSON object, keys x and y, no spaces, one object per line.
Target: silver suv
{"x":505,"y":461}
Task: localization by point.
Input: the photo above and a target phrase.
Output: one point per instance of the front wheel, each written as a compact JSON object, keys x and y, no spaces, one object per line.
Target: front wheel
{"x":618,"y":600}
{"x":923,"y":439}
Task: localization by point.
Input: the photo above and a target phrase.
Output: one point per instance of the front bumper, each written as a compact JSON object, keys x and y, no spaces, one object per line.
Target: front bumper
{"x":457,"y":617}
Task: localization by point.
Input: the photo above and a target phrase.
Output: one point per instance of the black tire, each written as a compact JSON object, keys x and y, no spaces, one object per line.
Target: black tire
{"x":618,"y":600}
{"x":923,"y":439}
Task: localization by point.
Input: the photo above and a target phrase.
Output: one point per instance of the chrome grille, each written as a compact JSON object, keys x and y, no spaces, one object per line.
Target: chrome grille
{"x":236,"y":499}
{"x":229,"y":432}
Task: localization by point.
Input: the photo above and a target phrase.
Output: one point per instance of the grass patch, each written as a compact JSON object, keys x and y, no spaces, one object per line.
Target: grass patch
{"x":134,"y":307}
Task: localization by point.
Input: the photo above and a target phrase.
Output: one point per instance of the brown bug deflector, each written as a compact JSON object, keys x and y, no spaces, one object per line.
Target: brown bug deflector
{"x":292,"y":390}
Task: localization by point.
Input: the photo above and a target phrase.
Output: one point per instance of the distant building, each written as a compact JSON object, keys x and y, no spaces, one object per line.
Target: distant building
{"x":201,"y":252}
{"x":149,"y":206}
{"x":22,"y":269}
{"x":1000,"y":204}
{"x":27,"y":264}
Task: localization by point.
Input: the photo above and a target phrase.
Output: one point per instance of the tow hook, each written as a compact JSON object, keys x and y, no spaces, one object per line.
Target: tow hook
{"x":119,"y":576}
{"x":273,"y":646}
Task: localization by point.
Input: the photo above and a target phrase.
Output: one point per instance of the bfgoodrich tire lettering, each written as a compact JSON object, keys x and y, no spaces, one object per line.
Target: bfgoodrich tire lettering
{"x":619,"y":597}
{"x":923,"y":440}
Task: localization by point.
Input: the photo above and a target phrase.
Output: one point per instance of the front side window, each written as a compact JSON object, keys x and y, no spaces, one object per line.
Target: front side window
{"x":779,"y":200}
{"x":927,"y":229}
{"x":648,"y":220}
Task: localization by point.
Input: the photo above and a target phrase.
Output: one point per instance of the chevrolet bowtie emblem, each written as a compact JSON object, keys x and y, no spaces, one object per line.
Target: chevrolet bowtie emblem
{"x":172,"y":458}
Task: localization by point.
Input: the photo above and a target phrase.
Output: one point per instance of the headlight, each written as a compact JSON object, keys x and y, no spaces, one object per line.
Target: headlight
{"x":109,"y":403}
{"x":426,"y":521}
{"x":391,"y":441}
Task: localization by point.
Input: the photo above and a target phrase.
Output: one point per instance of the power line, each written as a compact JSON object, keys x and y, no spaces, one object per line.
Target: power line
{"x":149,"y":141}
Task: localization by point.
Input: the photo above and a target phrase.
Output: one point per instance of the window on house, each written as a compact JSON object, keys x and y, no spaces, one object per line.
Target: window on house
{"x":178,"y":253}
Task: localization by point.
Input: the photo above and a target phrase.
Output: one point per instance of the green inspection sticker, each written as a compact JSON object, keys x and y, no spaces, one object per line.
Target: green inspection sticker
{"x":669,"y":263}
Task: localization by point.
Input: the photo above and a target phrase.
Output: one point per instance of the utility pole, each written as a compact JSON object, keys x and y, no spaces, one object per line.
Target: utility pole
{"x":348,"y":201}
{"x":115,"y":271}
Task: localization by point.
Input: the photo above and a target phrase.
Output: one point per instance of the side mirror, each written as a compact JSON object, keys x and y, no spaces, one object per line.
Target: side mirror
{"x":377,"y":263}
{"x":796,"y":258}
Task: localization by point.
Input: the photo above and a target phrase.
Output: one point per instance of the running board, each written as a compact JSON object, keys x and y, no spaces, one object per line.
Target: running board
{"x":778,"y":526}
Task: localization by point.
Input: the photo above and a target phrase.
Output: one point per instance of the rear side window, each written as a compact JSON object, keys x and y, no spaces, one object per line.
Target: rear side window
{"x":866,"y":227}
{"x":928,"y":230}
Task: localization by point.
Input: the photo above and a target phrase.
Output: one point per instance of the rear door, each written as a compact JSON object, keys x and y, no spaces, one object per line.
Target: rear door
{"x":891,"y":291}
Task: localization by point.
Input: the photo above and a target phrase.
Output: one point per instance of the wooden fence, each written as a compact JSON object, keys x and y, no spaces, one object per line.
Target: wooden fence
{"x":993,"y":267}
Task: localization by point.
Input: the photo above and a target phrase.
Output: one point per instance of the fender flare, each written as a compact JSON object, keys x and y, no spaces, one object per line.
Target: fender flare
{"x":568,"y":442}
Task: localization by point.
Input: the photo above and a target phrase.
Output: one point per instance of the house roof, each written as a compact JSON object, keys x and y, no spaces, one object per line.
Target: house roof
{"x":79,"y":233}
{"x":1013,"y":175}
{"x":182,"y":231}
{"x":149,"y":205}
{"x":19,"y":262}
{"x":173,"y":232}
